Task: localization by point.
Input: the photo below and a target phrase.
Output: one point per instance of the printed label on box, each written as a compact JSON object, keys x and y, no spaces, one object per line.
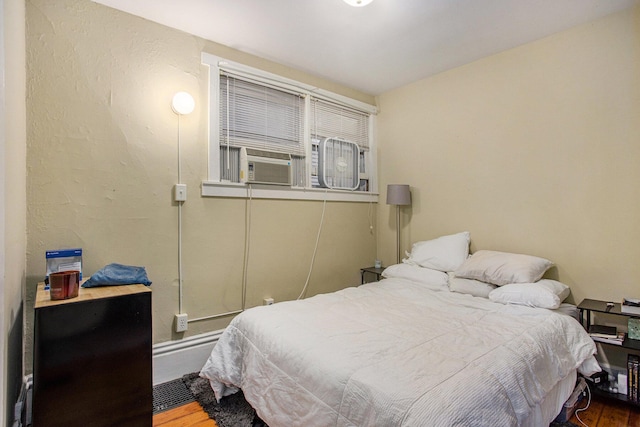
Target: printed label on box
{"x":64,"y":260}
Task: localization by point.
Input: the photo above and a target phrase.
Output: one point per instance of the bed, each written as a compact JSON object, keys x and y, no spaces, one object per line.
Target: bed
{"x":405,"y":351}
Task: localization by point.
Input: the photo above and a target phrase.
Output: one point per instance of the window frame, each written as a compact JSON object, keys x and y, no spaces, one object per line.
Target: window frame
{"x":214,"y":187}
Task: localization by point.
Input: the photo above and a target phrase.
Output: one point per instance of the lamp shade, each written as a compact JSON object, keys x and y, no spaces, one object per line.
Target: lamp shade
{"x":182,"y":103}
{"x":398,"y":194}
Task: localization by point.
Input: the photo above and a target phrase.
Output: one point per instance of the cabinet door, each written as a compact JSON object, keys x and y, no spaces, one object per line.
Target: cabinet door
{"x":92,"y":363}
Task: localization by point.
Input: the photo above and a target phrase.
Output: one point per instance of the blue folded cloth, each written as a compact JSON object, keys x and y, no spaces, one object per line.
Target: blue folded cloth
{"x":117,"y":274}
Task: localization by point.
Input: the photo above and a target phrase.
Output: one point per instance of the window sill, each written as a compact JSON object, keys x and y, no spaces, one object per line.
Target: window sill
{"x":256,"y":191}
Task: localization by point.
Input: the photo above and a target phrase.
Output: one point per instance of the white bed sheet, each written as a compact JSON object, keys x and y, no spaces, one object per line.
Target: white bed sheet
{"x":395,"y":353}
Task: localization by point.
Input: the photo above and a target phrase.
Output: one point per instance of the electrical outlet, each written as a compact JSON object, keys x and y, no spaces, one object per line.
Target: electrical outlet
{"x":267,"y":301}
{"x":182,"y":322}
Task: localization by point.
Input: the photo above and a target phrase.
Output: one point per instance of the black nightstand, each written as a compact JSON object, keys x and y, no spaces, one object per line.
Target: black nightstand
{"x":370,"y":270}
{"x":587,"y":306}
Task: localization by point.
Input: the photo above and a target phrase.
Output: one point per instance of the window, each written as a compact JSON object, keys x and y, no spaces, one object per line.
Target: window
{"x":265,"y":129}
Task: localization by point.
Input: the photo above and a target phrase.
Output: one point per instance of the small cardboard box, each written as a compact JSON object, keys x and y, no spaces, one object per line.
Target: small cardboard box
{"x":569,"y":406}
{"x":64,"y":260}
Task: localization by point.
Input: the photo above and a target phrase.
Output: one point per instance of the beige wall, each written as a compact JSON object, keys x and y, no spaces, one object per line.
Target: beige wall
{"x":13,"y":205}
{"x":102,"y":160}
{"x":534,"y":150}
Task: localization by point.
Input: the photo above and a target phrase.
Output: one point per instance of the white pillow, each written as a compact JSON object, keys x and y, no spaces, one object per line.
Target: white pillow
{"x":544,"y":294}
{"x":424,"y":276}
{"x":445,"y":253}
{"x":470,"y":286}
{"x":501,"y":268}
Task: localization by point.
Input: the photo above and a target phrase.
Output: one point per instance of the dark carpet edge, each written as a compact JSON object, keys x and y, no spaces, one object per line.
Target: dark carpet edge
{"x":232,"y":411}
{"x":235,"y":411}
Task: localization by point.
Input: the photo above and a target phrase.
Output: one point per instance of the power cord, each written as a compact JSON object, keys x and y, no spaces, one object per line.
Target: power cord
{"x":247,"y":245}
{"x":315,"y":249}
{"x":585,"y":408}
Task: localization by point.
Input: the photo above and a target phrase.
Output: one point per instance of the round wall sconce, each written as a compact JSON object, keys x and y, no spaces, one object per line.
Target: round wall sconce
{"x":182,"y":103}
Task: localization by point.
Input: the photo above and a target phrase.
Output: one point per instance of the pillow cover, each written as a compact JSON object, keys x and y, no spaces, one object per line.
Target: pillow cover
{"x":470,"y":286}
{"x":424,"y":276}
{"x":544,"y":294}
{"x":446,"y":253}
{"x":118,"y":274}
{"x":501,"y":268}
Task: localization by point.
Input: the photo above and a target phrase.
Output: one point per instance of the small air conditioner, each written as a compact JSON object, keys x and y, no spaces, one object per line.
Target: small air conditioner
{"x":338,"y":164}
{"x":265,"y":167}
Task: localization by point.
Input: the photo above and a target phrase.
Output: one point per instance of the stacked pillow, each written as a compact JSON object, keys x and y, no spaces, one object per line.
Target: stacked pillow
{"x":502,"y":268}
{"x":502,"y":277}
{"x":432,"y":279}
{"x":544,"y":293}
{"x":429,"y":261}
{"x":470,"y":286}
{"x":445,"y":253}
{"x":516,"y":278}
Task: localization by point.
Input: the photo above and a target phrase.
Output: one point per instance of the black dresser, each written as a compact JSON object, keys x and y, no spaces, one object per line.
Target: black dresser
{"x":92,"y":358}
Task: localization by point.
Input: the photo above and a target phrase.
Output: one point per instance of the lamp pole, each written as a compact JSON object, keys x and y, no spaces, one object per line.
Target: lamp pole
{"x":398,"y":195}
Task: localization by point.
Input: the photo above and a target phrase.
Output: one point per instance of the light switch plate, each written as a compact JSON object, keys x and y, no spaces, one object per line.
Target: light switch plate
{"x":180,"y":192}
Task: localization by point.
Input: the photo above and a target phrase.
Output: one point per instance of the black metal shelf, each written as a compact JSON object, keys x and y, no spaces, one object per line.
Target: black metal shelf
{"x":613,"y":396}
{"x":628,"y":343}
{"x":590,"y":305}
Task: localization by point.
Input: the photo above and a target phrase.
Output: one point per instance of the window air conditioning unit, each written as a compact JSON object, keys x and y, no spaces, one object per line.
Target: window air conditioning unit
{"x":264,"y":167}
{"x":339,"y":164}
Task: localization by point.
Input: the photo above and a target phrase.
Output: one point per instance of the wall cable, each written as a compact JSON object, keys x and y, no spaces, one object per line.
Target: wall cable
{"x":228,"y":174}
{"x":372,"y":229}
{"x":315,"y":249}
{"x":180,"y":277}
{"x":247,"y":245}
{"x":245,"y":266}
{"x":585,"y":408}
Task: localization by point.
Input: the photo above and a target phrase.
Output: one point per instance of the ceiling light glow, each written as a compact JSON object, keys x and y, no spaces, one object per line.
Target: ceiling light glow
{"x":357,"y":3}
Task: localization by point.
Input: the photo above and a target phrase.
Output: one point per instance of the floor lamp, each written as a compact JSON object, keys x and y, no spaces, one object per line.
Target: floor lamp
{"x":399,"y":195}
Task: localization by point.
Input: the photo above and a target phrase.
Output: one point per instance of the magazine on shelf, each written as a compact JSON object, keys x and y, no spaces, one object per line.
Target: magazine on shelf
{"x":630,"y":305}
{"x":618,"y":340}
{"x":603,"y":331}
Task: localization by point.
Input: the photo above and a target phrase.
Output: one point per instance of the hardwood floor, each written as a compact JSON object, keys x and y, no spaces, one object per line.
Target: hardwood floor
{"x":187,"y":415}
{"x":608,"y":413}
{"x":601,"y":413}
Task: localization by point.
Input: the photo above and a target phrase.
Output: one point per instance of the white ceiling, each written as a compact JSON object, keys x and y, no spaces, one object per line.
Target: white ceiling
{"x":375,"y":48}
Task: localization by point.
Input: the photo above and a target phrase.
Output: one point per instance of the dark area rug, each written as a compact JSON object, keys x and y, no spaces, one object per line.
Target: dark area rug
{"x":235,"y":411}
{"x":232,"y":411}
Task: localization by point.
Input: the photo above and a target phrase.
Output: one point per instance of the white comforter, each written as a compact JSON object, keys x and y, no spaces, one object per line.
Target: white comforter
{"x":395,"y":353}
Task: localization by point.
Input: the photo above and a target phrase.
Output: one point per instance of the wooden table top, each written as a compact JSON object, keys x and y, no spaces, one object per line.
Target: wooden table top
{"x":43,"y":298}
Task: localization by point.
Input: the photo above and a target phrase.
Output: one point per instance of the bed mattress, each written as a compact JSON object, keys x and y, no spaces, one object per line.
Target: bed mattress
{"x":397,"y":353}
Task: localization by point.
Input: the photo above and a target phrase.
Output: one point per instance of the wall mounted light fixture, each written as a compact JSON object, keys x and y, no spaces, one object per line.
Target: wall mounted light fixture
{"x":182,"y":103}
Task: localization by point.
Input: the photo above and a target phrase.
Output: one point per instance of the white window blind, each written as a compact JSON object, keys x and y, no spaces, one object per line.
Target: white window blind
{"x":330,"y":120}
{"x":255,"y":115}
